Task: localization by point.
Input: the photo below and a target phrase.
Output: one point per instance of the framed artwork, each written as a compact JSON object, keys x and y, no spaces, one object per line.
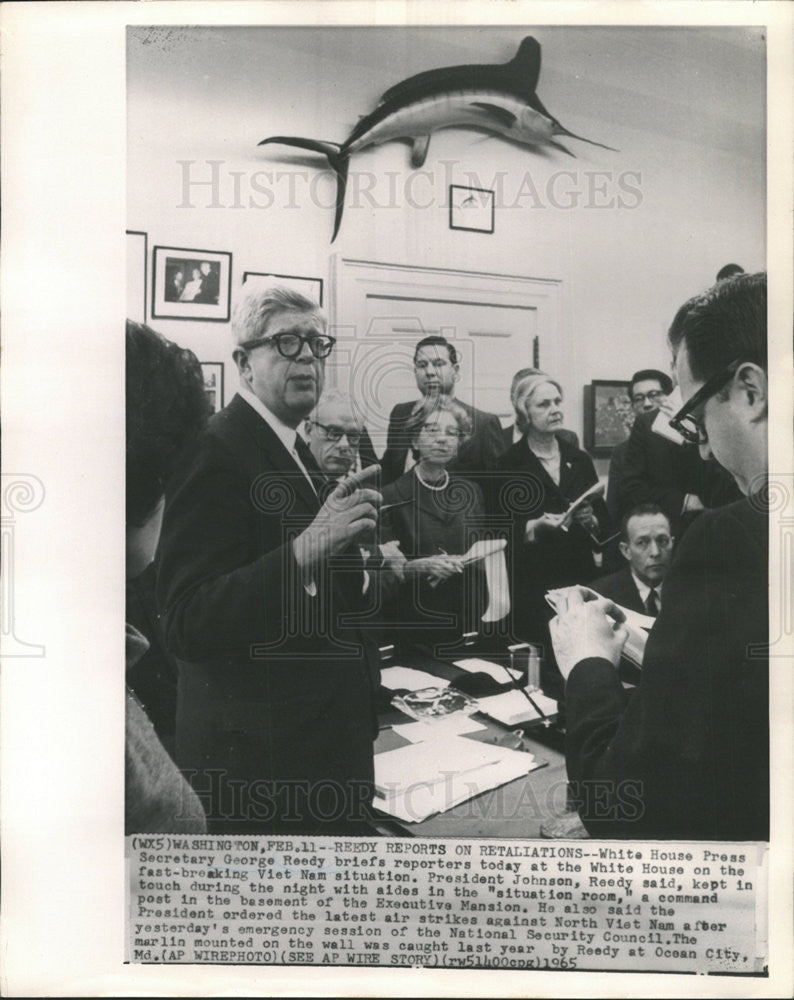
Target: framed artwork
{"x":137,"y":263}
{"x":608,"y":415}
{"x":191,"y":284}
{"x":312,"y":288}
{"x":213,"y":383}
{"x":471,"y":208}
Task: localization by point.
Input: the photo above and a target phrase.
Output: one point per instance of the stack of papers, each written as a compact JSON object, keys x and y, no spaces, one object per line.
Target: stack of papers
{"x":423,"y":779}
{"x":408,"y":679}
{"x":512,"y":708}
{"x":500,"y":674}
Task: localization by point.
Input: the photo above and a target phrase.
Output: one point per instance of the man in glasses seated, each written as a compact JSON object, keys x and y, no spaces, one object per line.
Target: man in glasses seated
{"x":688,"y":756}
{"x":260,"y":576}
{"x":337,"y":437}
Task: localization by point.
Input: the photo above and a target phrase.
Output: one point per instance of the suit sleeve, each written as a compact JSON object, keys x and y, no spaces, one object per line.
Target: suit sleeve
{"x":491,"y":442}
{"x":216,"y":596}
{"x":685,"y":757}
{"x":641,"y":482}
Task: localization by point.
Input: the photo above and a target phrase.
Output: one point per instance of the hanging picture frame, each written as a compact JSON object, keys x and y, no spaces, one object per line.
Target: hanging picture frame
{"x":213,"y":383}
{"x":191,"y":284}
{"x":471,"y":209}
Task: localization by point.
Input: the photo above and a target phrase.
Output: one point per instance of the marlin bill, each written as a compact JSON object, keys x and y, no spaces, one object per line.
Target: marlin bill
{"x":498,"y":99}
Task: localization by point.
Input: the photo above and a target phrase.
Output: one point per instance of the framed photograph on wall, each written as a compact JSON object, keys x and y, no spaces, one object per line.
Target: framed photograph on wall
{"x":191,"y":284}
{"x":312,"y":288}
{"x":471,"y":208}
{"x":137,"y":264}
{"x":213,"y":383}
{"x":608,"y":415}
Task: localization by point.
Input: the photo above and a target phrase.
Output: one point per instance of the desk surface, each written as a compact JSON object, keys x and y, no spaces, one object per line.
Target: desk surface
{"x":514,"y":810}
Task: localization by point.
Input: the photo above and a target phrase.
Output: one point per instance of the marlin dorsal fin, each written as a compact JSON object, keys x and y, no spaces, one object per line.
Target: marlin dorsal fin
{"x":518,"y":77}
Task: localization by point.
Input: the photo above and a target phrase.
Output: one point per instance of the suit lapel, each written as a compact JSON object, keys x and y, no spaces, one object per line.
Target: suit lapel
{"x":268,"y":449}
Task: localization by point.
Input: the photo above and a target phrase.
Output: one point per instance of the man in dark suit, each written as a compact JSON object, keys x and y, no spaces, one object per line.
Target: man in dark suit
{"x":260,"y":583}
{"x":337,"y":437}
{"x":658,"y":470}
{"x":437,"y":369}
{"x":646,"y":543}
{"x":648,"y":388}
{"x":687,"y":757}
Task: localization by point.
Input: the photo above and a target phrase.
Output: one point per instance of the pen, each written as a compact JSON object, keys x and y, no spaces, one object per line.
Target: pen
{"x":390,"y":506}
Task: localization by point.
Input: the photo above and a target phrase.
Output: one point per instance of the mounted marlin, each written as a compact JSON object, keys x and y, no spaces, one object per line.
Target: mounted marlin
{"x":499,"y":99}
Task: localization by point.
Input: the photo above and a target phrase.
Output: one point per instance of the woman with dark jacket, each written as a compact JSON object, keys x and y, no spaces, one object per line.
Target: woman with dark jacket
{"x":438,"y":516}
{"x":536,"y":480}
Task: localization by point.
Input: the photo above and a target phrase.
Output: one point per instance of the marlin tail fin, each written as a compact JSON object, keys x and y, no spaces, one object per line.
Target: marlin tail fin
{"x":338,"y":160}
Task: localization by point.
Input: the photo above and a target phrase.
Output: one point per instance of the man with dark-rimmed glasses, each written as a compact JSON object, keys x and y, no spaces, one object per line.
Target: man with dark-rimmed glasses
{"x":688,"y":756}
{"x":259,"y":579}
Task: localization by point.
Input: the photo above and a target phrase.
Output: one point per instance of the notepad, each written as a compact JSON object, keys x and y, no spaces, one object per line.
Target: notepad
{"x":512,"y":708}
{"x":408,"y":679}
{"x":637,"y":625}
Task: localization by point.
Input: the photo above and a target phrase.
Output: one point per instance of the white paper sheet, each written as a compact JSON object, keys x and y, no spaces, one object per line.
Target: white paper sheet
{"x":406,"y":678}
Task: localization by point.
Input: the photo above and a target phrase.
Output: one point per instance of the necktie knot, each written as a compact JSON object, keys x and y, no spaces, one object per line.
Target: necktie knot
{"x":652,"y":603}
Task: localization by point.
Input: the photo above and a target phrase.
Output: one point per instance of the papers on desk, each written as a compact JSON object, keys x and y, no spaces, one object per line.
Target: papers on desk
{"x":452,"y":725}
{"x":512,"y":708}
{"x":422,"y":779}
{"x":408,"y":679}
{"x":475,"y":665}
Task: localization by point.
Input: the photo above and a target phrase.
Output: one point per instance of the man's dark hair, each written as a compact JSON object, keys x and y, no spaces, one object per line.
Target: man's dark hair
{"x":641,"y":510}
{"x":728,"y":271}
{"x":437,"y":341}
{"x":651,"y":373}
{"x":166,"y":407}
{"x":725,"y":323}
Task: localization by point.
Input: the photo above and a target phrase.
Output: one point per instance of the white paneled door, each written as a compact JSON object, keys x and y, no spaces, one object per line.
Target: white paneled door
{"x":498,"y":324}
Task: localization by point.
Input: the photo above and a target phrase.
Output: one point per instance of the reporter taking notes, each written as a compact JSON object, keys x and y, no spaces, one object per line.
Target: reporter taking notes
{"x":688,"y":756}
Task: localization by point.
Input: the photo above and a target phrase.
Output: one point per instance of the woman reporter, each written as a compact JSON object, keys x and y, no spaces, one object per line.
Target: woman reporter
{"x":536,"y":481}
{"x":438,"y":516}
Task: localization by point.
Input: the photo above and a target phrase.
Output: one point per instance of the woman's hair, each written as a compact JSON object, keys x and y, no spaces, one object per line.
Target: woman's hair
{"x":166,"y":407}
{"x":424,"y":410}
{"x":524,"y":389}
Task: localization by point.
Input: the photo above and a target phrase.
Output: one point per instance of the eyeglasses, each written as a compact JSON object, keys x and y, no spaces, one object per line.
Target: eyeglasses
{"x":690,"y":426}
{"x":290,"y":345}
{"x":652,"y":396}
{"x":334,"y":433}
{"x":435,"y":431}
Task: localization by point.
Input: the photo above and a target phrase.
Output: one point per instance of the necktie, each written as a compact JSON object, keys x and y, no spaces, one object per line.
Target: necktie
{"x":310,"y":465}
{"x":652,"y":603}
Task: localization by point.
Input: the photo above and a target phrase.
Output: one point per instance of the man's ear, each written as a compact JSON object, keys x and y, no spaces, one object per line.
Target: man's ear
{"x":241,"y":360}
{"x":624,"y":549}
{"x":751,"y":381}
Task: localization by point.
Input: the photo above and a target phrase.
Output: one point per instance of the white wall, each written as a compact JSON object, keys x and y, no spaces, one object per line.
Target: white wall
{"x":685,"y":107}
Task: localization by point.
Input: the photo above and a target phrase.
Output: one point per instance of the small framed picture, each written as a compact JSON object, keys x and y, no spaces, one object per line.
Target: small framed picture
{"x":608,"y":415}
{"x":137,"y":262}
{"x":471,"y":208}
{"x":213,"y":383}
{"x":191,"y":284}
{"x":312,"y":288}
